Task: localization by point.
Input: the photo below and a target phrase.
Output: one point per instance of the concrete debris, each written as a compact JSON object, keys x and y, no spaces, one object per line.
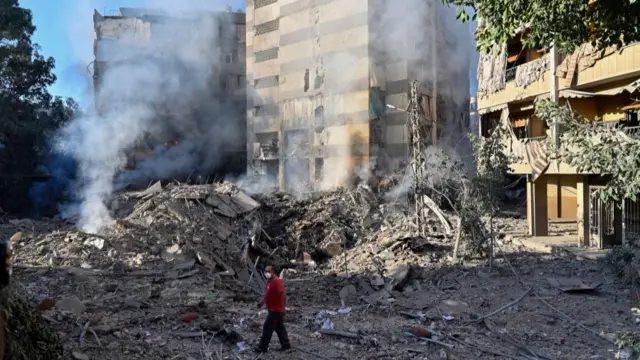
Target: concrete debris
{"x":71,"y":304}
{"x":181,"y":267}
{"x":377,"y":280}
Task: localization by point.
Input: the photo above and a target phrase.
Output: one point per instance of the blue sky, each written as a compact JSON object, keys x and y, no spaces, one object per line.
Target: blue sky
{"x":65,"y":32}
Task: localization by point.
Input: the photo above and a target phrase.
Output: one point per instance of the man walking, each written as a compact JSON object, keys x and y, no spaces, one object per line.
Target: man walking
{"x":275,"y":299}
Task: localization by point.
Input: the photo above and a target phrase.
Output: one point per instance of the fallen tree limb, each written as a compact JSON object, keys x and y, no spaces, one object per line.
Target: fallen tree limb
{"x":456,"y":247}
{"x":436,"y":210}
{"x":511,"y":340}
{"x":576,"y":322}
{"x":339,"y":333}
{"x":504,"y":307}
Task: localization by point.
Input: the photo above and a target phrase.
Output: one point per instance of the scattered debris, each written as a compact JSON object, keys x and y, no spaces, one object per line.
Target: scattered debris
{"x":179,"y":274}
{"x":573,"y":285}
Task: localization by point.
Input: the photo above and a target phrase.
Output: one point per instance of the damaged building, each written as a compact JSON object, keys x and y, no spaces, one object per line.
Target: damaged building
{"x":600,"y":85}
{"x":137,"y":37}
{"x":329,"y":86}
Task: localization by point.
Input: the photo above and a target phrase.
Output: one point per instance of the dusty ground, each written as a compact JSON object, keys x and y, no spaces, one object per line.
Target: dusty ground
{"x":127,"y":296}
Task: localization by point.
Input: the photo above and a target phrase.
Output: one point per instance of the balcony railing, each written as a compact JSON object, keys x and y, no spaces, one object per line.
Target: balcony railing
{"x":632,"y":131}
{"x":535,"y":138}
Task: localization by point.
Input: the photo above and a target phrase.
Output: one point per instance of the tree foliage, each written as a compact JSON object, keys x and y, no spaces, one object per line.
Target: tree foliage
{"x":29,"y":112}
{"x":565,"y":23}
{"x":595,"y":148}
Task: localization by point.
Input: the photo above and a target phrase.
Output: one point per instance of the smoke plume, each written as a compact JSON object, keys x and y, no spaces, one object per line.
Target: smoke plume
{"x":160,"y":77}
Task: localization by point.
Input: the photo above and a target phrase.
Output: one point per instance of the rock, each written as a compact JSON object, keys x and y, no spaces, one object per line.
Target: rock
{"x":377,"y":280}
{"x":173,"y":249}
{"x":348,"y":293}
{"x":46,"y":304}
{"x":400,"y":275}
{"x":71,"y":304}
{"x":376,"y":296}
{"x":79,"y":356}
{"x":364,"y":287}
{"x":332,"y":245}
{"x":454,"y":306}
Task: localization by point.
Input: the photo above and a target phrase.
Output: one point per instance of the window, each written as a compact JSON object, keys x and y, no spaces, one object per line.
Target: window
{"x":488,"y":122}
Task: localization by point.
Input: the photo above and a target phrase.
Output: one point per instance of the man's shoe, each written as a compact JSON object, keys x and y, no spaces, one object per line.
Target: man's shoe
{"x":259,"y":350}
{"x":285,"y":348}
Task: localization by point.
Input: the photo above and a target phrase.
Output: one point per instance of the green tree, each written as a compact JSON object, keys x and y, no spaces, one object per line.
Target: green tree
{"x":29,"y":113}
{"x":596,"y":149}
{"x":565,"y":23}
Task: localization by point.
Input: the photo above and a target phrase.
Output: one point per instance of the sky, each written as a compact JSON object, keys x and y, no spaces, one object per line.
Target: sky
{"x":65,"y":32}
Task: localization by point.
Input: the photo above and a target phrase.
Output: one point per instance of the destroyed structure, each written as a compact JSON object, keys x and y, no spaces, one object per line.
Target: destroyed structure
{"x":139,"y":35}
{"x":600,"y":85}
{"x":330,"y":89}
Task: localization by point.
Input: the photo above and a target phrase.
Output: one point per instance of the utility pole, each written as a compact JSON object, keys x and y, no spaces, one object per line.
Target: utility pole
{"x":554,"y":92}
{"x":420,"y":130}
{"x":434,"y":71}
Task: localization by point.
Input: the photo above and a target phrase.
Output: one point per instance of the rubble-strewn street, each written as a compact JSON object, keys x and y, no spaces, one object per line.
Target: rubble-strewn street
{"x":173,"y":279}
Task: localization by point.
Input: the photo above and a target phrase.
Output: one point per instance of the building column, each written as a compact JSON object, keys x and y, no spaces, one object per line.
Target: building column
{"x":537,"y":214}
{"x":582,"y":195}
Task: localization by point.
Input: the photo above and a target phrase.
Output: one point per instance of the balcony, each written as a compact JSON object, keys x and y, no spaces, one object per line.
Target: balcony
{"x":616,"y":65}
{"x":536,"y":84}
{"x":593,"y":71}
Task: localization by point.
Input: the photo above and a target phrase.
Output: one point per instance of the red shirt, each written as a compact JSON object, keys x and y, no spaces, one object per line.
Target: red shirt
{"x":275,"y":296}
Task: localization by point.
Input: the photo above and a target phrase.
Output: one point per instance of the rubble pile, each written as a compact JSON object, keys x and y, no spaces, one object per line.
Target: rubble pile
{"x":175,"y":277}
{"x":355,"y":229}
{"x":225,"y":230}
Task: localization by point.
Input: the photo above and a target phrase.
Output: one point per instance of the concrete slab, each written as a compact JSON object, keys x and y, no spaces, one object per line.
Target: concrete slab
{"x":585,"y":254}
{"x":555,"y":244}
{"x":546,"y":244}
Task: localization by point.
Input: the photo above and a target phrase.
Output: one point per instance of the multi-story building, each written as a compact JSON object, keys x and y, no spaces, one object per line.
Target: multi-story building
{"x":600,"y":85}
{"x":203,"y":88}
{"x":331,"y":80}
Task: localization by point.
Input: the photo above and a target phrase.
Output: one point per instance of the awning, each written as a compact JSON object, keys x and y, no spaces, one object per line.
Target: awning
{"x":568,"y":94}
{"x":491,"y":109}
{"x":520,"y":123}
{"x":629,"y":87}
{"x":631,"y":107}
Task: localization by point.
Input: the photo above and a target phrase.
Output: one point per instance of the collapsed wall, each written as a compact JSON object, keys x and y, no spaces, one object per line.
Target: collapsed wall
{"x":323,"y":75}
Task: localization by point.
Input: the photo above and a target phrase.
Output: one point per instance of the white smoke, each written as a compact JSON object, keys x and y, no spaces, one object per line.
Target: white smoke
{"x":161,"y":82}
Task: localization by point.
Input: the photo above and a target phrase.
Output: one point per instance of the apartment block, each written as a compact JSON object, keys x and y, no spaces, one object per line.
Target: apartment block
{"x":600,"y":85}
{"x":203,"y":44}
{"x":328,"y":88}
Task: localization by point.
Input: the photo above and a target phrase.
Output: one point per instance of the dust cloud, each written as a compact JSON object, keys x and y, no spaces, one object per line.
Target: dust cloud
{"x":161,"y":85}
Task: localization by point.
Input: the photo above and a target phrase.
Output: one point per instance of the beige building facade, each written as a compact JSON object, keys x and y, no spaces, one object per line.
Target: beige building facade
{"x":321,"y":75}
{"x":600,"y":85}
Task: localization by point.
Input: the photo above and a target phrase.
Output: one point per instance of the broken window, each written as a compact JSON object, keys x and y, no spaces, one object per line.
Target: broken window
{"x":297,"y":143}
{"x":489,"y":122}
{"x":306,"y":80}
{"x":227,"y":58}
{"x":319,"y":168}
{"x":319,"y":113}
{"x":265,"y":82}
{"x":317,"y":83}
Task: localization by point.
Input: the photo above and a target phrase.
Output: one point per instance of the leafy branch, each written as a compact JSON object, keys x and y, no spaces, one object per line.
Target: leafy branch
{"x":595,"y":148}
{"x":566,"y":23}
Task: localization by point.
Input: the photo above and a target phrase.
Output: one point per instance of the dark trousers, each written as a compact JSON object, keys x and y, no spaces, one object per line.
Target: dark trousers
{"x":274,"y":321}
